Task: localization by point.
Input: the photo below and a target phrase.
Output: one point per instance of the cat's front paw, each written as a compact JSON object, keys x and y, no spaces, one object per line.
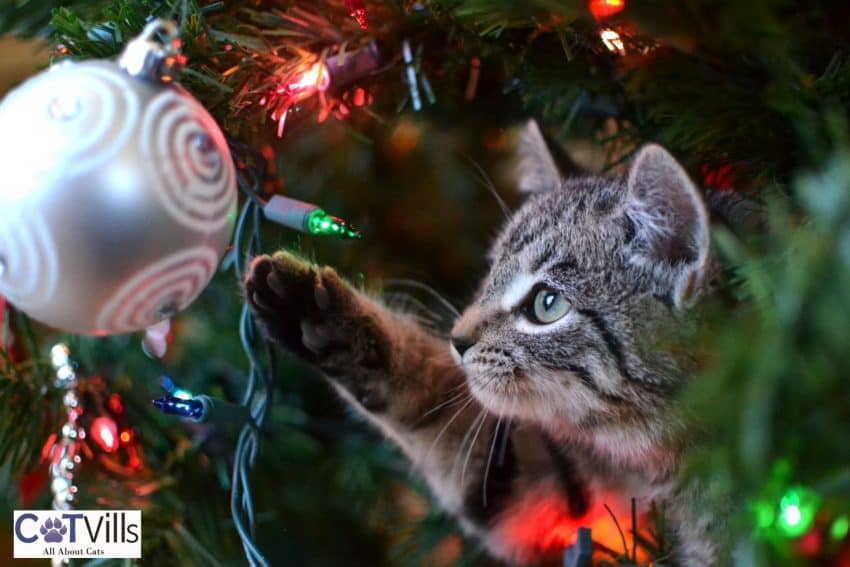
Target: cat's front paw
{"x":309,"y":310}
{"x":278,"y":290}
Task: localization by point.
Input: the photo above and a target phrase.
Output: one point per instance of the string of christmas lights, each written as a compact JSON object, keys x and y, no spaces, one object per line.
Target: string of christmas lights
{"x":250,"y":414}
{"x":247,"y":242}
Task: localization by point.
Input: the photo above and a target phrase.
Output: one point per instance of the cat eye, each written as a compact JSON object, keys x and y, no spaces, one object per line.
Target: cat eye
{"x":547,"y":306}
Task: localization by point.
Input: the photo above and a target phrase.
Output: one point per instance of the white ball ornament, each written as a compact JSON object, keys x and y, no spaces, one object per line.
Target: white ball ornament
{"x":118,"y":192}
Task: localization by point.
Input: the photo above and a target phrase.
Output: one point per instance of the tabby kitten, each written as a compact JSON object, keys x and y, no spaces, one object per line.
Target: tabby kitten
{"x":562,"y":341}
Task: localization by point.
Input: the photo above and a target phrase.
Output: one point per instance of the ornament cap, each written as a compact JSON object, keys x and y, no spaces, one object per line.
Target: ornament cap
{"x":155,"y":54}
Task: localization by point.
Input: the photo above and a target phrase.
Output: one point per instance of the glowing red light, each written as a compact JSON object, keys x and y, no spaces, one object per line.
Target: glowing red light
{"x":133,"y":460}
{"x":304,"y":84}
{"x":47,"y":449}
{"x":32,"y":485}
{"x":810,"y":544}
{"x":126,"y":436}
{"x":604,"y":8}
{"x":105,"y":433}
{"x":357,"y":10}
{"x":541,"y":526}
{"x":725,"y":176}
{"x":115,"y":405}
{"x":297,"y":87}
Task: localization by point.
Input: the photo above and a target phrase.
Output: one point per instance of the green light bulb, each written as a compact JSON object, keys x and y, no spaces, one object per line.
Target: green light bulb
{"x":323,"y":224}
{"x":797,"y":511}
{"x":840,"y":527}
{"x":764,"y":513}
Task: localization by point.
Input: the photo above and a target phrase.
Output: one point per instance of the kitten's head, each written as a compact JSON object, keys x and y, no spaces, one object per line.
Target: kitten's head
{"x":583,"y":276}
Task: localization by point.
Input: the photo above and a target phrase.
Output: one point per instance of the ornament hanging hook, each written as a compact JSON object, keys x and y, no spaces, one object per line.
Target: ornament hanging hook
{"x":155,"y":54}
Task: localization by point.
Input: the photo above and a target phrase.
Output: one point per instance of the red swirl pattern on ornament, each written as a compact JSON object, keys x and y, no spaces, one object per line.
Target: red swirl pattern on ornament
{"x":158,"y":291}
{"x":190,"y":166}
{"x":88,"y":113}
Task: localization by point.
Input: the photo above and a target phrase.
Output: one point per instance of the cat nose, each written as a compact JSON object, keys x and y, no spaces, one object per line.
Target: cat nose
{"x":462,"y":344}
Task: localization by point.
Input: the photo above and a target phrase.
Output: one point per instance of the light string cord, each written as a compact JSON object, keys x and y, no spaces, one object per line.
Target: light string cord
{"x":247,"y":243}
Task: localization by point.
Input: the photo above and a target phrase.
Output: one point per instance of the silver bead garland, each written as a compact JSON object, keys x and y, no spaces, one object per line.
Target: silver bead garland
{"x":64,"y":456}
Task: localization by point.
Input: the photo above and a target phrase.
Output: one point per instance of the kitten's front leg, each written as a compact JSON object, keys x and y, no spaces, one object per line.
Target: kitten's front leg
{"x":380,"y":360}
{"x":402,"y":378}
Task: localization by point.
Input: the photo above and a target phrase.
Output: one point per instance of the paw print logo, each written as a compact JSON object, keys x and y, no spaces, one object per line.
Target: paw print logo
{"x":52,"y":530}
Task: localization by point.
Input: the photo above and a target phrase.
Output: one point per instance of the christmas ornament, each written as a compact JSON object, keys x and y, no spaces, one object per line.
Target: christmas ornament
{"x":119,"y":192}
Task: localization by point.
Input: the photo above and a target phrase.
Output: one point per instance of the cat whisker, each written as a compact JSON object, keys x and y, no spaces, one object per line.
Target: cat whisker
{"x":426,"y":288}
{"x":463,"y":384}
{"x":504,"y":446}
{"x":459,"y":388}
{"x":489,"y":461}
{"x":421,"y":320}
{"x":488,"y":184}
{"x":406,"y":303}
{"x":457,"y":460}
{"x":445,"y":428}
{"x":472,"y":446}
{"x":454,"y":399}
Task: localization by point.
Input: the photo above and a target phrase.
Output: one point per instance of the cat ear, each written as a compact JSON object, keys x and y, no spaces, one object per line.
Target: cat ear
{"x":536,"y":168}
{"x":670,"y":220}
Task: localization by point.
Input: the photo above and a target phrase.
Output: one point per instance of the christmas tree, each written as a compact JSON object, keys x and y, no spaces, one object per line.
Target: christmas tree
{"x":400,"y":118}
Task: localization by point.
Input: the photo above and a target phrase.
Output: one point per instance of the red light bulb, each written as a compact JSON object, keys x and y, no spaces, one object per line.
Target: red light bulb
{"x":604,"y":8}
{"x":105,"y":433}
{"x":357,"y":10}
{"x":115,"y":404}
